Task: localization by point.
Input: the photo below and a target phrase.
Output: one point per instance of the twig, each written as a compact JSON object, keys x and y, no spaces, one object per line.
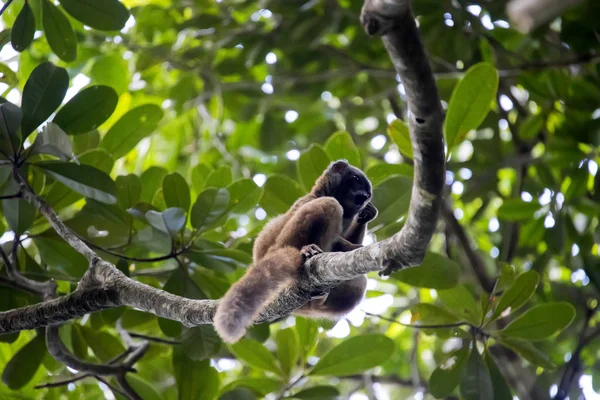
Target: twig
{"x":418,"y":326}
{"x":153,"y":338}
{"x":5,"y":6}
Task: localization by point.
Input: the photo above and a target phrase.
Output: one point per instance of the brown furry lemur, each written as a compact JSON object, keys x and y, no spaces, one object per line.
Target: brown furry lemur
{"x":332,"y":217}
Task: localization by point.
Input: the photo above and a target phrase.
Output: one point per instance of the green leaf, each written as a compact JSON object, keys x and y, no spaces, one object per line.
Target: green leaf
{"x":531,"y":127}
{"x":240,"y":393}
{"x":59,"y":33}
{"x":224,"y":260}
{"x":170,"y":221}
{"x":142,"y":387}
{"x":87,"y":110}
{"x":340,"y":146}
{"x":308,"y":334}
{"x":398,"y":131}
{"x":129,"y":189}
{"x":24,"y":364}
{"x":111,"y":70}
{"x":105,"y":15}
{"x":54,"y":141}
{"x":517,"y":209}
{"x":200,"y":174}
{"x":429,"y":314}
{"x":476,"y":382}
{"x":541,"y":322}
{"x":176,"y":191}
{"x":506,"y":278}
{"x":501,"y":389}
{"x":380,"y":172}
{"x":260,"y":386}
{"x":311,"y":164}
{"x":219,"y":178}
{"x":151,"y":181}
{"x":318,"y":393}
{"x":132,"y":127}
{"x":44,"y":91}
{"x":195,"y":379}
{"x":461,"y":303}
{"x":210,"y":205}
{"x":280,"y":192}
{"x":10,"y":121}
{"x":83,"y":179}
{"x":245,"y":195}
{"x":529,"y":352}
{"x":392,"y":198}
{"x":104,"y":345}
{"x":255,"y":355}
{"x":200,"y":342}
{"x":470,"y":102}
{"x":288,"y":349}
{"x":60,"y":256}
{"x":446,"y":376}
{"x":18,"y":213}
{"x":435,"y":272}
{"x":23,"y":29}
{"x":518,"y":294}
{"x":344,"y":359}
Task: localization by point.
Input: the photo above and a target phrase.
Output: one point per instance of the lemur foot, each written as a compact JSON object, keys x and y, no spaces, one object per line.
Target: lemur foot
{"x":310,"y":251}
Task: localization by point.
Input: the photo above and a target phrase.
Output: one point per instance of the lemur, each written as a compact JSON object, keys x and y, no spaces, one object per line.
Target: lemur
{"x":332,"y":217}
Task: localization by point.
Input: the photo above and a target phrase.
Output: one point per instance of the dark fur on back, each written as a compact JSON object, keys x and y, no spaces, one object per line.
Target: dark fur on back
{"x":332,"y":216}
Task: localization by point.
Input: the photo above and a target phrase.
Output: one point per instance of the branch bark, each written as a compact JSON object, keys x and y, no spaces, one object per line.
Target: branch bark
{"x":104,"y":286}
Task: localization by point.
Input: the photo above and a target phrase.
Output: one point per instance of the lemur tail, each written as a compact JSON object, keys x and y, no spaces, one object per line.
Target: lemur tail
{"x":248,"y":297}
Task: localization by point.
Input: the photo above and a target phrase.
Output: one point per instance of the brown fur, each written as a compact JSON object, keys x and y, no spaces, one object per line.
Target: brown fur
{"x":332,"y":217}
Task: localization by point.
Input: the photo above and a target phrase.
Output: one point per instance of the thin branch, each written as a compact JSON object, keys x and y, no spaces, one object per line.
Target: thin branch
{"x":419,"y":326}
{"x":11,"y":196}
{"x":153,"y":339}
{"x":5,"y":6}
{"x":63,"y":382}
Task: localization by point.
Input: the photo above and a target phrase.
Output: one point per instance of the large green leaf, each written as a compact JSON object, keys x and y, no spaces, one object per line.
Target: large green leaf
{"x":398,"y":131}
{"x":435,"y":272}
{"x":470,"y":102}
{"x":19,"y":214}
{"x":392,"y":198}
{"x":143,"y":388}
{"x":83,"y":179}
{"x":288,"y":349}
{"x":318,"y":393}
{"x":224,"y":260}
{"x":210,"y":205}
{"x":200,"y":342}
{"x":340,"y":146}
{"x":517,"y":209}
{"x":255,"y":355}
{"x":529,"y":352}
{"x":380,"y":172}
{"x":54,"y":141}
{"x":344,"y":359}
{"x":429,"y":314}
{"x":170,"y":221}
{"x":132,"y":127}
{"x":129,"y":189}
{"x":176,"y":191}
{"x":311,"y":164}
{"x":461,"y":303}
{"x":112,"y":70}
{"x":518,"y":294}
{"x":240,"y":393}
{"x":59,"y":256}
{"x":540,"y":322}
{"x":195,"y":379}
{"x":280,"y":192}
{"x":245,"y":195}
{"x":44,"y":91}
{"x":106,"y":15}
{"x":10,"y":121}
{"x":87,"y":110}
{"x":59,"y":32}
{"x":446,"y":376}
{"x":260,"y":386}
{"x":476,"y":382}
{"x":219,"y":178}
{"x":23,"y":29}
{"x":501,"y":388}
{"x":23,"y":365}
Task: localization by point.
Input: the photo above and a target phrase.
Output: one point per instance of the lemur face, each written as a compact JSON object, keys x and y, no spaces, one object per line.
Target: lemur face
{"x":353,"y":190}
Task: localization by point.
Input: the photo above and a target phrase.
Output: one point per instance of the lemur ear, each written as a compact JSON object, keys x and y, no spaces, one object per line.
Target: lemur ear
{"x":339,"y":166}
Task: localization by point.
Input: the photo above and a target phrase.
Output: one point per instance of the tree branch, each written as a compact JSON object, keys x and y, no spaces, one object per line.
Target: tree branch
{"x":528,"y":14}
{"x":104,"y":286}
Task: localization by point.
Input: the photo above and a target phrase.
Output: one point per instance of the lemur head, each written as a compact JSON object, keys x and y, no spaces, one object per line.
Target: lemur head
{"x":349,"y":185}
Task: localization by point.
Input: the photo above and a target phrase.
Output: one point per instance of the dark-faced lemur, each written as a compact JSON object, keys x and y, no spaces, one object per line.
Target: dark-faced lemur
{"x":332,"y":217}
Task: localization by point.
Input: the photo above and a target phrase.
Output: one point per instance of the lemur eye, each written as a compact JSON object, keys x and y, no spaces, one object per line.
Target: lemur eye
{"x":356,"y":178}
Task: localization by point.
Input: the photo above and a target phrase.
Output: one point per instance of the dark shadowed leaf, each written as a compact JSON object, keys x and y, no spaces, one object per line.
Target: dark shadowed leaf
{"x":129,"y":189}
{"x":340,"y":146}
{"x":435,"y":272}
{"x":470,"y":102}
{"x":318,"y":393}
{"x":260,"y":386}
{"x":44,"y":91}
{"x":23,"y":365}
{"x":345,"y":360}
{"x":23,"y":29}
{"x":476,"y":382}
{"x":200,"y":342}
{"x":529,"y":352}
{"x":255,"y":355}
{"x":241,"y":393}
{"x":10,"y":121}
{"x":446,"y":376}
{"x":311,"y":164}
{"x":541,"y":321}
{"x":176,"y":191}
{"x":59,"y":32}
{"x":132,"y":127}
{"x":106,"y":15}
{"x":87,"y":110}
{"x":398,"y":131}
{"x":210,"y":205}
{"x":54,"y":141}
{"x":501,"y":389}
{"x":518,"y":294}
{"x":83,"y":179}
{"x":19,"y":214}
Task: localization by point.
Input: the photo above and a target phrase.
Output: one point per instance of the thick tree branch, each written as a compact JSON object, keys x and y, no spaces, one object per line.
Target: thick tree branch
{"x":528,"y":14}
{"x":105,"y":286}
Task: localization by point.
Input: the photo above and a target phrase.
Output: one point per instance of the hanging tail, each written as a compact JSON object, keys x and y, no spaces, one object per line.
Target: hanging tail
{"x":249,"y":296}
